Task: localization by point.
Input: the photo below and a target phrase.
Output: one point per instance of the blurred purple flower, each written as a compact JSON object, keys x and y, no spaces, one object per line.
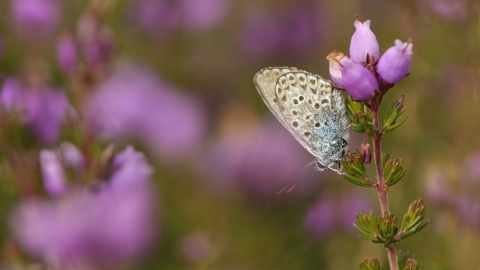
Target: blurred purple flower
{"x":35,"y":18}
{"x":255,"y":162}
{"x":53,"y":175}
{"x":449,"y":10}
{"x":160,"y":17}
{"x":394,"y":63}
{"x":157,"y":16}
{"x":350,"y":206}
{"x":359,"y":81}
{"x":320,"y":219}
{"x":95,"y":40}
{"x":363,"y":43}
{"x":67,"y":53}
{"x":92,"y":228}
{"x":41,"y":108}
{"x":203,"y":14}
{"x":133,"y":102}
{"x":436,"y":188}
{"x":266,"y":34}
{"x":71,"y":156}
{"x":327,"y":214}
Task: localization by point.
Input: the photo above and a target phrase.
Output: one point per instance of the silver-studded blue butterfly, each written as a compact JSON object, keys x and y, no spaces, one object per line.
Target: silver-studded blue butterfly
{"x":311,"y":108}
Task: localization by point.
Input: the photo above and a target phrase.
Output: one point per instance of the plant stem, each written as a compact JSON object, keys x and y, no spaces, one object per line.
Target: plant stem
{"x":382,"y":188}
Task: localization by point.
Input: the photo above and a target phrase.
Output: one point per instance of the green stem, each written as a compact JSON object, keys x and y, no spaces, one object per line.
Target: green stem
{"x":382,"y":188}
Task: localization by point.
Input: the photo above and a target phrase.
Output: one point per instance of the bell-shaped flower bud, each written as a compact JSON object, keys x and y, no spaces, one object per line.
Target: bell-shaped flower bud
{"x":336,"y":62}
{"x":53,"y":174}
{"x":364,"y":44}
{"x":366,"y":150}
{"x":67,"y":53}
{"x":393,"y":65}
{"x":360,"y":83}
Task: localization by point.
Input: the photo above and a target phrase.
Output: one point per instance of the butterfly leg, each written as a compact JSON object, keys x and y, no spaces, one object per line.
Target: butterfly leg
{"x":338,"y":169}
{"x":321,"y":167}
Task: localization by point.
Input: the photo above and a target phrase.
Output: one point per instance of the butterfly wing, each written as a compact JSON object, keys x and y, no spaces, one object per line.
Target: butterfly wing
{"x":305,"y":104}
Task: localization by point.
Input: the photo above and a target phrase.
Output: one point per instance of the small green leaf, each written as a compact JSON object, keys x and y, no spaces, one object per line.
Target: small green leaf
{"x":388,"y":228}
{"x":355,"y":171}
{"x":393,"y":169}
{"x":370,"y":263}
{"x":413,"y":221}
{"x":412,"y":264}
{"x":394,"y":111}
{"x":361,"y":117}
{"x":367,"y":225}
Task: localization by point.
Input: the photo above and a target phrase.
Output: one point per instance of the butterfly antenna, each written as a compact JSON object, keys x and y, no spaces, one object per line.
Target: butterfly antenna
{"x":289,"y":187}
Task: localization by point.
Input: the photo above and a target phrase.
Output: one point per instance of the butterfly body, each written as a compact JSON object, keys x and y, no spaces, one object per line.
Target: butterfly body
{"x":310,"y":107}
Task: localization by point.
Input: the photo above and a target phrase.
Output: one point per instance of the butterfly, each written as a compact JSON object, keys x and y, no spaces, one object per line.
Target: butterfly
{"x":311,"y":108}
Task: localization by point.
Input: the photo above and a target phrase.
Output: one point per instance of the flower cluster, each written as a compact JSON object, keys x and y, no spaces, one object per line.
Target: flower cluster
{"x":365,"y":72}
{"x":108,"y":223}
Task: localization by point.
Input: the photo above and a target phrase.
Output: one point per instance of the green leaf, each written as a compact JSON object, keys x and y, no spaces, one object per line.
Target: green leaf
{"x":370,"y":263}
{"x":355,"y":171}
{"x":361,"y":116}
{"x":393,"y":169}
{"x":394,"y":111}
{"x":413,"y":221}
{"x":412,"y":264}
{"x":388,"y":228}
{"x":367,"y":225}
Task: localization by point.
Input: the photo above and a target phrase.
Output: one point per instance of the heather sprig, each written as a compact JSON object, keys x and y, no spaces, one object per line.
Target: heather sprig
{"x":367,"y":76}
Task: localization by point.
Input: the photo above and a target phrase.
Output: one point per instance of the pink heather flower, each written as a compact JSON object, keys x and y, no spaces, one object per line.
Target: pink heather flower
{"x":360,"y":83}
{"x":95,"y":40}
{"x":336,"y":62}
{"x":157,"y":17}
{"x":253,"y":162}
{"x":348,"y":209}
{"x":394,"y":63}
{"x":53,"y":175}
{"x":203,"y":14}
{"x":41,"y":108}
{"x":320,"y":219}
{"x":328,"y":214}
{"x":134,"y":102}
{"x":35,"y":18}
{"x":266,"y":34}
{"x":101,"y":228}
{"x":67,"y":53}
{"x":364,"y":43}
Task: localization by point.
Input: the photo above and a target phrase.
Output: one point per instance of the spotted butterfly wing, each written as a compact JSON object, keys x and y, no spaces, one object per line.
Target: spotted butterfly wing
{"x":309,"y":107}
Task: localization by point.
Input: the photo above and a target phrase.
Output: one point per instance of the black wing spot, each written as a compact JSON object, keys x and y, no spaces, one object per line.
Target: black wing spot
{"x":301,"y":98}
{"x":284,"y":98}
{"x":306,"y":134}
{"x":324,"y":101}
{"x":307,"y":117}
{"x":317,"y":106}
{"x":295,"y":101}
{"x":294,"y":112}
{"x":275,"y":100}
{"x":310,"y":101}
{"x":317,"y":124}
{"x":295,"y":124}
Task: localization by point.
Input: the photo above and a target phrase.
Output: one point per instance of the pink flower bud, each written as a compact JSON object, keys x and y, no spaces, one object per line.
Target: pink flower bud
{"x":364,"y":43}
{"x":337,"y":61}
{"x":394,"y":63}
{"x":360,"y":83}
